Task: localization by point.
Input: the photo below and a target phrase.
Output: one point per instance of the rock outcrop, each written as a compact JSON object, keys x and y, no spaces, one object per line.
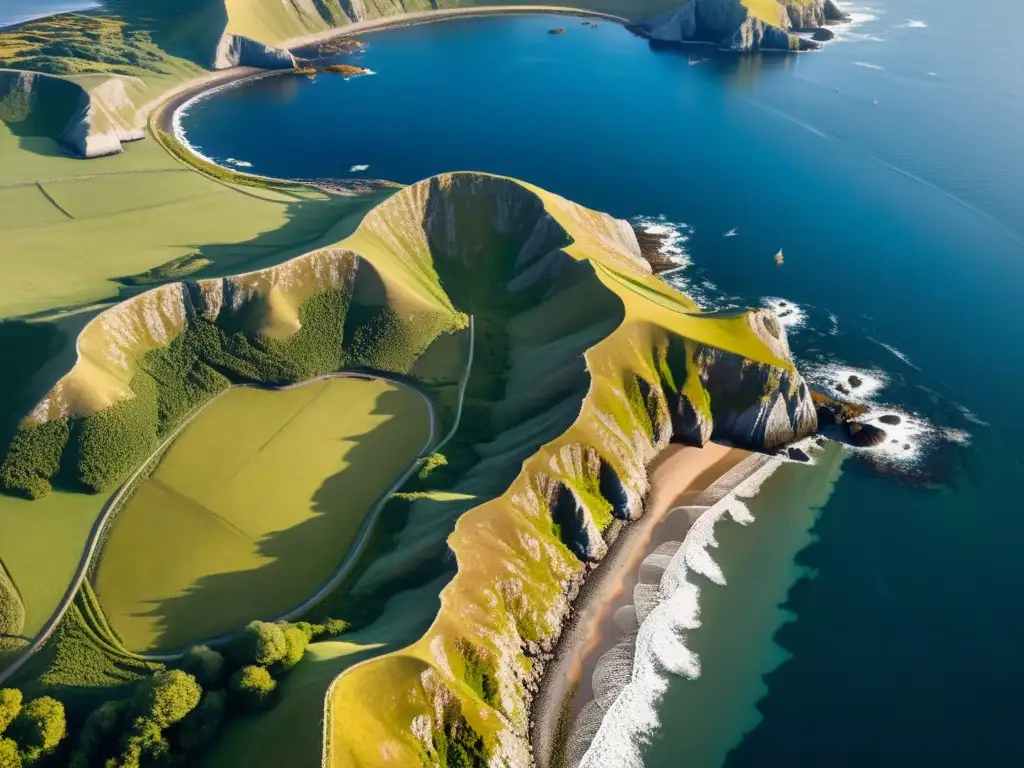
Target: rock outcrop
{"x":88,"y":122}
{"x":864,"y":435}
{"x":732,"y":25}
{"x":241,"y":51}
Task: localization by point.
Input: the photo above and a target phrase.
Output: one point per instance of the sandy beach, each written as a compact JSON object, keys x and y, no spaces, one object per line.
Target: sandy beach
{"x":677,"y":476}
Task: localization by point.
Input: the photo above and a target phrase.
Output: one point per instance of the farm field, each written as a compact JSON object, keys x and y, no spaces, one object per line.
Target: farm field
{"x":254,"y":506}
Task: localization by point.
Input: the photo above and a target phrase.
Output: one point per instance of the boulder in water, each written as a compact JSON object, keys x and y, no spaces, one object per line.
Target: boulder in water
{"x":864,"y":435}
{"x":891,"y":419}
{"x":855,"y":380}
{"x":557,"y":31}
{"x":797,"y":455}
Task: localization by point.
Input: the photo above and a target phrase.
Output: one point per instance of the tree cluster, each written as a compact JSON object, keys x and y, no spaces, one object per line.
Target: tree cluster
{"x":28,"y":731}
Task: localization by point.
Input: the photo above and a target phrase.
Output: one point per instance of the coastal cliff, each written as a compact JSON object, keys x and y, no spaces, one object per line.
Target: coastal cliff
{"x":90,"y":118}
{"x":585,"y":368}
{"x":739,"y":25}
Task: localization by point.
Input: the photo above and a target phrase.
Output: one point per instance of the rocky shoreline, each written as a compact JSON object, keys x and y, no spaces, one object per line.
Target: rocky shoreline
{"x":730,"y":26}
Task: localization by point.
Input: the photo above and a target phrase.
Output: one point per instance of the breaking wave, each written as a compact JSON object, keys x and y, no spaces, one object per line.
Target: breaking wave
{"x":859,"y":16}
{"x":674,"y":236}
{"x":913,"y":24}
{"x":238,"y":163}
{"x":631,"y":679}
{"x":358,"y":168}
{"x":868,"y":65}
{"x":791,"y":315}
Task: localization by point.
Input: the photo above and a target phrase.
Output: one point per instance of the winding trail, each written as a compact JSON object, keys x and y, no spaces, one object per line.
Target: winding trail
{"x":113,"y":505}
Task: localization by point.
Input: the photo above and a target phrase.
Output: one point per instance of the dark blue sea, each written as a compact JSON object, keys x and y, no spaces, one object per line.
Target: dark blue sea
{"x":889,"y":168}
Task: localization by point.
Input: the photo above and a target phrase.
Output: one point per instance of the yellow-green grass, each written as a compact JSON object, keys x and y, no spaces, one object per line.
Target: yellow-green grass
{"x":511,"y":556}
{"x":138,"y":211}
{"x":253,"y":507}
{"x":41,"y":544}
{"x":292,"y":732}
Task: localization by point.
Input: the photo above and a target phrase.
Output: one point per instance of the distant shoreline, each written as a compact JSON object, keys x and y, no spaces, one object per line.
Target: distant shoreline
{"x":427,"y":17}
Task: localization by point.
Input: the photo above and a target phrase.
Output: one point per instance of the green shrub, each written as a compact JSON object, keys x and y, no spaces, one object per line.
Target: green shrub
{"x":205,"y":664}
{"x":305,"y":628}
{"x":12,"y":609}
{"x":201,"y":726}
{"x":10,"y":755}
{"x":110,"y":443}
{"x":296,"y":641}
{"x":99,"y":732}
{"x":253,"y":688}
{"x":145,"y":745}
{"x":10,"y":706}
{"x":33,"y":458}
{"x":259,"y":642}
{"x":432,"y":462}
{"x":167,"y":697}
{"x":330,"y":628}
{"x":39,"y":727}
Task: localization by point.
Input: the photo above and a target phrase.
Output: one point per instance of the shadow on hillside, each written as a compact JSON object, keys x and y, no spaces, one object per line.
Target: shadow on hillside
{"x":310,"y":224}
{"x":296,"y":720}
{"x":36,"y":351}
{"x":188,"y":29}
{"x":303,"y":557}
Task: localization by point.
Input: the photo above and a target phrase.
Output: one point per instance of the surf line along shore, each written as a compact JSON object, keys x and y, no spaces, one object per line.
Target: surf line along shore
{"x":678,"y":476}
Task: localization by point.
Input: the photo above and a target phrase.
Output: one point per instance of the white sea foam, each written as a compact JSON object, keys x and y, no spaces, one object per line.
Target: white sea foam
{"x":238,"y":163}
{"x":913,"y":24}
{"x":895,"y":352}
{"x":905,"y":442}
{"x":972,"y":417}
{"x":827,"y":377}
{"x":732,"y":232}
{"x":674,"y":236}
{"x":868,"y":65}
{"x":358,"y":168}
{"x":859,"y":16}
{"x":661,"y":641}
{"x":834,"y":331}
{"x":792,"y":316}
{"x":958,"y":436}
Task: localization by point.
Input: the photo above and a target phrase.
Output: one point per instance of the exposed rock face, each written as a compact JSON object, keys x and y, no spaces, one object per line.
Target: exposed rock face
{"x":240,"y":51}
{"x":89,"y":122}
{"x":833,"y":14}
{"x":891,"y":419}
{"x":864,"y":435}
{"x":731,"y":25}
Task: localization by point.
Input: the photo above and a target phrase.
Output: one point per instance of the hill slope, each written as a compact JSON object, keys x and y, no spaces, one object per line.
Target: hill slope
{"x":585,"y":366}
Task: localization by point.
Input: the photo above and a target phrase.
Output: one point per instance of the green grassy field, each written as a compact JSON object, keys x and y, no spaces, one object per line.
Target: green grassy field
{"x":120,"y":216}
{"x":253,"y":507}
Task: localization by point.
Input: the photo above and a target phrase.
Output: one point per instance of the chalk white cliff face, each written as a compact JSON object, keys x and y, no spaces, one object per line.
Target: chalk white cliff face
{"x":240,"y":51}
{"x":99,"y":119}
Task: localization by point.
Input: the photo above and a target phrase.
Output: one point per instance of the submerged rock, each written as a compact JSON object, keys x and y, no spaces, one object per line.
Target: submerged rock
{"x":864,"y":435}
{"x":558,"y":31}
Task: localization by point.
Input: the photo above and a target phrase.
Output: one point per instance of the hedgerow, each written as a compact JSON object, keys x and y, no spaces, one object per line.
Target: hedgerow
{"x":12,"y":609}
{"x":33,"y":458}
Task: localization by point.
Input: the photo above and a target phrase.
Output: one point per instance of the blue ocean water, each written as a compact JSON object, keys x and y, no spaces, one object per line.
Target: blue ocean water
{"x":889,"y":168}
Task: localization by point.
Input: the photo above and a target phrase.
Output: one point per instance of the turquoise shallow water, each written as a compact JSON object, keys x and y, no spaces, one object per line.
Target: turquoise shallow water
{"x":902,"y":224}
